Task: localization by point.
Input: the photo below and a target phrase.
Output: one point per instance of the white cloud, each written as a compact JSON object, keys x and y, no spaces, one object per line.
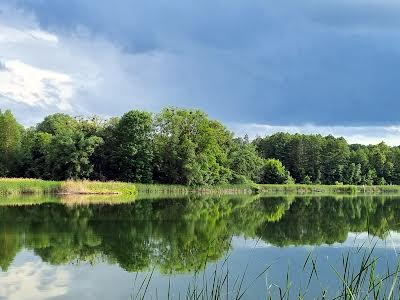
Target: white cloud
{"x":33,"y":280}
{"x":26,"y":84}
{"x":44,"y":72}
{"x":353,"y":134}
{"x":14,"y":35}
{"x":43,"y":35}
{"x":257,"y":73}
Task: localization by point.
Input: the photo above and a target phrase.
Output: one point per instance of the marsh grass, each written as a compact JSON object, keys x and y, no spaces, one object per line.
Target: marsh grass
{"x":266,"y":189}
{"x":162,"y":189}
{"x":328,"y":189}
{"x":356,"y":278}
{"x":228,"y":189}
{"x":17,"y":186}
{"x":220,"y":284}
{"x":172,"y":189}
{"x":97,"y":187}
{"x":22,"y":186}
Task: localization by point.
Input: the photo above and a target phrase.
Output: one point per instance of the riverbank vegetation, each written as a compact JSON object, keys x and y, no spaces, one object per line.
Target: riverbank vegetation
{"x":184,"y":148}
{"x":18,"y":186}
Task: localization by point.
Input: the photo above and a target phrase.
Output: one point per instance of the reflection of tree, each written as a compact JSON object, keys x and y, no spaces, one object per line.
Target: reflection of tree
{"x":329,"y":220}
{"x":10,"y":244}
{"x":180,"y":235}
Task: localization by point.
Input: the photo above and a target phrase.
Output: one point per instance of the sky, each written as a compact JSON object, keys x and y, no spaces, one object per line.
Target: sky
{"x":259,"y":66}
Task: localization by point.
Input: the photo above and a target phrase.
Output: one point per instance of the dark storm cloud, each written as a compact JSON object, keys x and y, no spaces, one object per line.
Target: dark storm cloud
{"x":280,"y":62}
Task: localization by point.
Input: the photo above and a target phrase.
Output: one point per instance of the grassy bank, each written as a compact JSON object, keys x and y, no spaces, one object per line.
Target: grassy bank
{"x":20,"y":186}
{"x":172,"y":189}
{"x":282,"y":189}
{"x":301,"y":189}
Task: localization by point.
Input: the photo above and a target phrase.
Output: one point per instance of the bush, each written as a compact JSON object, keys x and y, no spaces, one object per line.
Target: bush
{"x":240,"y":179}
{"x":274,"y":172}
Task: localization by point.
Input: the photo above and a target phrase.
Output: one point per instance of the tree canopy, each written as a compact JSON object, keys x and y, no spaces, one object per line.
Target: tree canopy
{"x":184,"y":146}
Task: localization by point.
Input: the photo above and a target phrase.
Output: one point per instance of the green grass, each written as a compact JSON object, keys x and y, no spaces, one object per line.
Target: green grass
{"x":97,"y":187}
{"x":328,"y":189}
{"x":18,"y":186}
{"x":173,"y":189}
{"x":283,"y":189}
{"x":169,"y":189}
{"x":22,"y":186}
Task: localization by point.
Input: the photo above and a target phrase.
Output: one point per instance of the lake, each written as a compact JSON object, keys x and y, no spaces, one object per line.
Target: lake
{"x":157,"y":248}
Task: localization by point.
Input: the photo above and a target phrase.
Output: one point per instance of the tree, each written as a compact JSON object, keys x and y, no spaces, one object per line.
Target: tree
{"x":274,"y":172}
{"x":35,"y":150}
{"x":336,"y":153}
{"x":69,"y":155}
{"x":244,"y":160}
{"x":395,"y":154}
{"x":190,"y":148}
{"x":58,"y":124}
{"x":102,"y":158}
{"x":10,"y":142}
{"x":379,"y":160}
{"x":132,"y":159}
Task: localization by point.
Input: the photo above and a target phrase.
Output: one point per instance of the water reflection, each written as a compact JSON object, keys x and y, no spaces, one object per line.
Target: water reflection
{"x":179,"y":235}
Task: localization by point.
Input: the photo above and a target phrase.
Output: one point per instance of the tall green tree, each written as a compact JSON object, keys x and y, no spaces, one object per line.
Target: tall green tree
{"x":190,"y":148}
{"x":58,"y":124}
{"x":69,"y":155}
{"x":132,"y":156}
{"x":35,"y":154}
{"x":336,"y":153}
{"x":10,"y":142}
{"x":245,"y":161}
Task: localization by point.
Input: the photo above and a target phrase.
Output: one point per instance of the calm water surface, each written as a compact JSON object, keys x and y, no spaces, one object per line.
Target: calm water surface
{"x":53,"y":250}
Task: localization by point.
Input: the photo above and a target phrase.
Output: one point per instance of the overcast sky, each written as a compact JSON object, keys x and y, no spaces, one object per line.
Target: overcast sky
{"x":259,"y":66}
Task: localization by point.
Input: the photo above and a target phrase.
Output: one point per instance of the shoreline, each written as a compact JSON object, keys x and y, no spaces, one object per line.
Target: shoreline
{"x":22,"y":186}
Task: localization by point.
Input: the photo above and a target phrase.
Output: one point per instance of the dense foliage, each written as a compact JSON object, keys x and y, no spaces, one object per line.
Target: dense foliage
{"x":180,"y":146}
{"x":330,"y":160}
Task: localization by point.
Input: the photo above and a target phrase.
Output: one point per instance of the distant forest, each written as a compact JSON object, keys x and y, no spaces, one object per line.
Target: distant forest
{"x":180,"y":146}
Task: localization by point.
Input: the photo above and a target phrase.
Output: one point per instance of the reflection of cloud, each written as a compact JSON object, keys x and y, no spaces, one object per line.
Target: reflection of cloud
{"x":240,"y":242}
{"x":362,"y":239}
{"x":392,"y":240}
{"x":33,"y":280}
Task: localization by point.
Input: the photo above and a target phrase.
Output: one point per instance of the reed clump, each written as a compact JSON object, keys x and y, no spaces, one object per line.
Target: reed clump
{"x":24,"y":186}
{"x":87,"y":187}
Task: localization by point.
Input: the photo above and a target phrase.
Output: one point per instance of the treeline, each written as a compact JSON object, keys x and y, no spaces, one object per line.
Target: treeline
{"x":330,"y":160}
{"x":179,"y":146}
